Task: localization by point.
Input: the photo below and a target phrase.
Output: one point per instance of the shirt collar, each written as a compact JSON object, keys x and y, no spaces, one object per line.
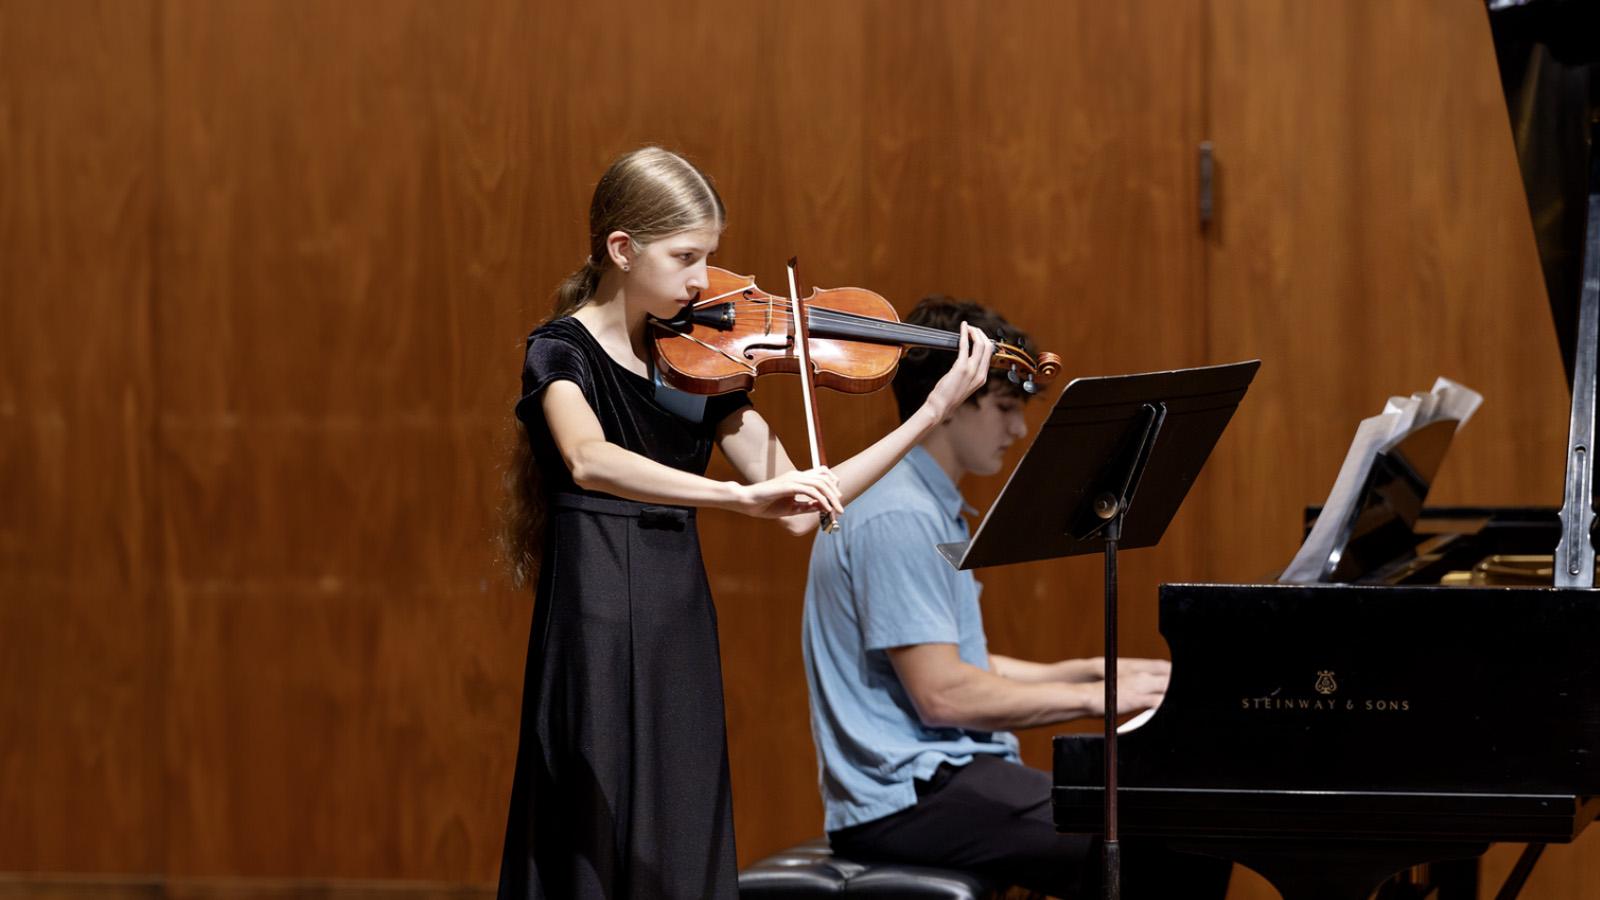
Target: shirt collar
{"x":944,"y":490}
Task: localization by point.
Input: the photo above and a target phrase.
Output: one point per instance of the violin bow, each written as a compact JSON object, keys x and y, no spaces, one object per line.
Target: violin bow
{"x":808,"y":390}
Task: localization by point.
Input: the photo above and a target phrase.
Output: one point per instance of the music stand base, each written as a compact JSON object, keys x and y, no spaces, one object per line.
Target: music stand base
{"x":1112,"y":875}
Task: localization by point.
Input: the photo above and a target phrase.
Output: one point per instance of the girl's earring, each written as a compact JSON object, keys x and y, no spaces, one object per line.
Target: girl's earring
{"x":624,"y":267}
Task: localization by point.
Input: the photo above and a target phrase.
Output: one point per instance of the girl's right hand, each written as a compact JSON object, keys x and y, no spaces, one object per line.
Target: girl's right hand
{"x":800,"y":491}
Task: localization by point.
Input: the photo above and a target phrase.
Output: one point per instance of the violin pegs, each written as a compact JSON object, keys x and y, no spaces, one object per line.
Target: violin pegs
{"x":1012,"y":374}
{"x":1029,"y":386}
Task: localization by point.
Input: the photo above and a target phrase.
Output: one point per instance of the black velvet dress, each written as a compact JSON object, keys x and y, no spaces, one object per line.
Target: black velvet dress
{"x":621,"y":786}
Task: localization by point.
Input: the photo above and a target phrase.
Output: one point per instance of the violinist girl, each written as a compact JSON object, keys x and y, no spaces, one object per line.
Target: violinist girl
{"x":621,"y":785}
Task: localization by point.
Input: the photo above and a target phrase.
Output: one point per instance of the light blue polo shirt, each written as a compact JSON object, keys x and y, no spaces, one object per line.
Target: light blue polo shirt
{"x":878,"y":583}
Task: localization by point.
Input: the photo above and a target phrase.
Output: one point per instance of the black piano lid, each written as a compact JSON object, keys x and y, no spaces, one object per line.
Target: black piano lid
{"x":1549,"y":57}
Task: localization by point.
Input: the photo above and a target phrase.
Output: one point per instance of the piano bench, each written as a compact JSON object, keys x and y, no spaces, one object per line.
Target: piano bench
{"x":811,"y":870}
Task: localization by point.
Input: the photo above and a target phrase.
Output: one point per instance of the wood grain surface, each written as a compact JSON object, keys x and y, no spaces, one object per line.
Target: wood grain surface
{"x":265,"y":269}
{"x":82,"y":644}
{"x":1372,"y":234}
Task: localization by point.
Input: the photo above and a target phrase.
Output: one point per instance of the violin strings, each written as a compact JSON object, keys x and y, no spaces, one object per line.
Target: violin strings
{"x":891,"y":332}
{"x":840,"y":317}
{"x":895,"y":332}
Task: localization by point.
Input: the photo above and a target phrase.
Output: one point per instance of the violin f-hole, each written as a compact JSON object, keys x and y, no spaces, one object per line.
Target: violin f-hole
{"x":750,"y":349}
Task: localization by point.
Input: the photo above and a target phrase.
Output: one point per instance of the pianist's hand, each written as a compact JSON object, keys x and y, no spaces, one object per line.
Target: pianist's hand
{"x":1094,"y":669}
{"x":1136,"y":691}
{"x":1141,"y":683}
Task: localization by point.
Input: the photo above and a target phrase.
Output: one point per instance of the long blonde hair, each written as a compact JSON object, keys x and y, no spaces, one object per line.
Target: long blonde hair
{"x":647,"y":194}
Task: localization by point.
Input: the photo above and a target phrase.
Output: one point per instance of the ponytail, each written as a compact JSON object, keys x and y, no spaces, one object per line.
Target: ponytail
{"x":522,"y":518}
{"x":646,"y":194}
{"x":576,"y":289}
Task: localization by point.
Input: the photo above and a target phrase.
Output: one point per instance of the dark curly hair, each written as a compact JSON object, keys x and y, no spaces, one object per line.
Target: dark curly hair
{"x":920,"y":368}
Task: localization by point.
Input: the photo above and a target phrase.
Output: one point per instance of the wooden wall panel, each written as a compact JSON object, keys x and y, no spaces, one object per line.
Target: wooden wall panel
{"x":346,"y":216}
{"x":1059,"y":188}
{"x":1372,"y":234}
{"x":795,"y":186}
{"x":316,"y":310}
{"x":289,"y":251}
{"x":148,"y":887}
{"x":81,"y":644}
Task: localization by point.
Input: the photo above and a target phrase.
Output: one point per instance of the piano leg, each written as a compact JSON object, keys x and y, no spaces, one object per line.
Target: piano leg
{"x":1455,"y":879}
{"x":1329,"y":870}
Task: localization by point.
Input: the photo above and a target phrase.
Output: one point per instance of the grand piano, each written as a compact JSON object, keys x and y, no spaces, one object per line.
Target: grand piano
{"x":1436,"y":691}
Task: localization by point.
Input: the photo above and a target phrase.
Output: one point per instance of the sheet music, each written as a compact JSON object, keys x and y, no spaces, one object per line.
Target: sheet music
{"x":1401,"y":416}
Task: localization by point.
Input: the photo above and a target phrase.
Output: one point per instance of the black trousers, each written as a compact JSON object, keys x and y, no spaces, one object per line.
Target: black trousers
{"x":993,"y":817}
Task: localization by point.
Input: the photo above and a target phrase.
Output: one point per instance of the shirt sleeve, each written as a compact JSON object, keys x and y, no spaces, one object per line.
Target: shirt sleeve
{"x":549,"y":359}
{"x":904,"y":590}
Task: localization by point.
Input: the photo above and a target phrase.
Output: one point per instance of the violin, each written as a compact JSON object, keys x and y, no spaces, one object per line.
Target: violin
{"x":846,"y":339}
{"x":737,"y":332}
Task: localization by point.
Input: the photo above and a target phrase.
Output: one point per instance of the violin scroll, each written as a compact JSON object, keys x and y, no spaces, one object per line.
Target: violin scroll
{"x":1026,"y":370}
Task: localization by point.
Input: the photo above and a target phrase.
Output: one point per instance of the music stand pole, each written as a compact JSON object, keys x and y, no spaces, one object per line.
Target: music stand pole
{"x":1089,"y":460}
{"x":1117,"y":487}
{"x":1112,"y":849}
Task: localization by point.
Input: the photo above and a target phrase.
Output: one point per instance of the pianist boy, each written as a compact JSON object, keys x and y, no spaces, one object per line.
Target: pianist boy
{"x":909,"y":710}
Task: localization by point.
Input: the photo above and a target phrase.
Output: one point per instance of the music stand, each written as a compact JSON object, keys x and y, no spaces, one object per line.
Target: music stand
{"x":1108,"y":442}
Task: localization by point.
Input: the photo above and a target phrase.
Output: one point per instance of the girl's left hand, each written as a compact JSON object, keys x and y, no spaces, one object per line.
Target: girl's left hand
{"x":970,"y":372}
